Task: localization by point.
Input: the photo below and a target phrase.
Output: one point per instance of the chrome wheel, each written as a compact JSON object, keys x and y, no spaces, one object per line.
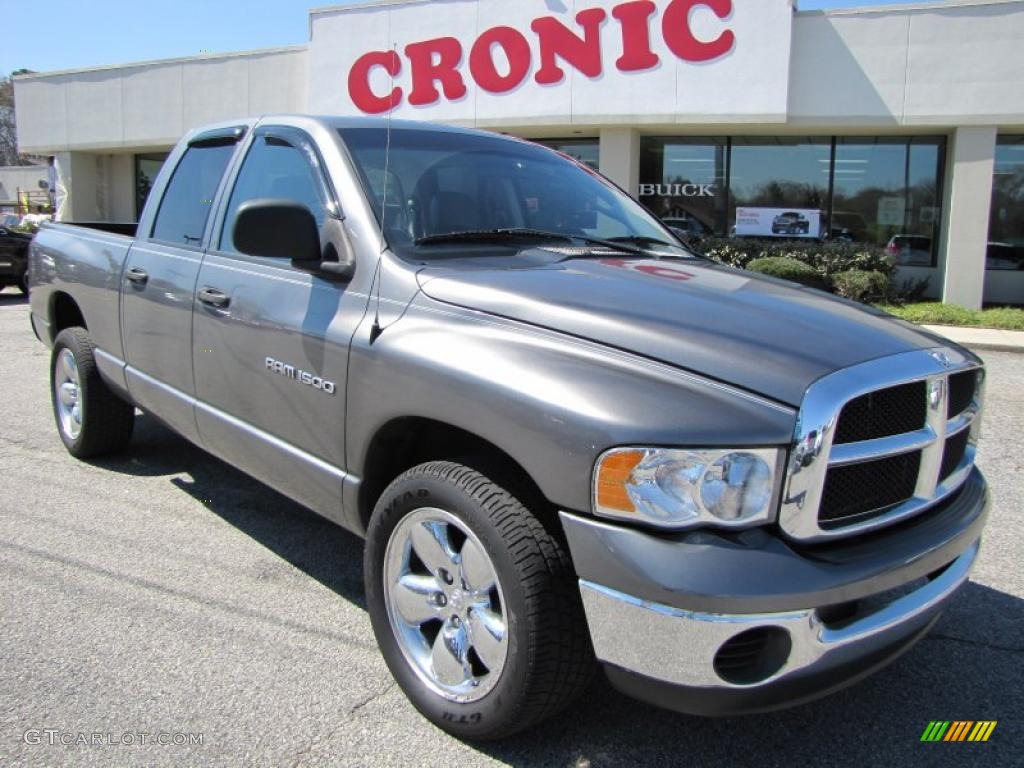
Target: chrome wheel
{"x":68,"y":394}
{"x":445,"y":605}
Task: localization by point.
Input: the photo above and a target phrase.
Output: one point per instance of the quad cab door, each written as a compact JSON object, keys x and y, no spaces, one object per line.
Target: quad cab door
{"x":159,"y":280}
{"x":272,"y":338}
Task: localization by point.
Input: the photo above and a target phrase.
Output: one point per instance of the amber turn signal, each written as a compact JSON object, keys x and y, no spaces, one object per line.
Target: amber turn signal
{"x":612,"y":478}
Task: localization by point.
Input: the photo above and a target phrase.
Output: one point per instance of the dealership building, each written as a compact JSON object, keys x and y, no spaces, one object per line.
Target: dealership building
{"x":901,"y":126}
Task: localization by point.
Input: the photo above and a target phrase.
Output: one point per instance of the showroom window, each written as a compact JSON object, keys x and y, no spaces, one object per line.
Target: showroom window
{"x":585,"y":150}
{"x":146,"y":169}
{"x":1006,"y":226}
{"x":683,"y":181}
{"x":779,"y":185}
{"x":886,"y":191}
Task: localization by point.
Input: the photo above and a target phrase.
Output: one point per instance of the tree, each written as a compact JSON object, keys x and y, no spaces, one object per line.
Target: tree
{"x":8,"y":131}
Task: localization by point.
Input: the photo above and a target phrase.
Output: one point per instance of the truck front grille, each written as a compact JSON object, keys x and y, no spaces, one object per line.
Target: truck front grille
{"x":885,"y":412}
{"x":868,"y":456}
{"x":962,"y":387}
{"x":953,"y":454}
{"x":871,"y":488}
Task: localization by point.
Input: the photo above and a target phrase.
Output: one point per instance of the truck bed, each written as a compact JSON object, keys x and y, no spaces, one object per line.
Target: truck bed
{"x":83,"y":260}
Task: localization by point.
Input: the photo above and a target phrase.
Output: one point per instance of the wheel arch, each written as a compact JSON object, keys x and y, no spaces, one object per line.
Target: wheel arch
{"x":407,"y":441}
{"x":64,"y":312}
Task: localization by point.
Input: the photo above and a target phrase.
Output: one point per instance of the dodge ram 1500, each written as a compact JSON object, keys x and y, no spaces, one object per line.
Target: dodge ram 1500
{"x":567,"y":440}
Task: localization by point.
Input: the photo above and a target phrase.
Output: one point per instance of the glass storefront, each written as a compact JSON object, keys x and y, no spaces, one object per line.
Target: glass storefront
{"x":1006,"y":225}
{"x":585,"y":150}
{"x":782,"y":173}
{"x":146,"y":169}
{"x":880,"y":190}
{"x":886,"y":191}
{"x":683,"y":181}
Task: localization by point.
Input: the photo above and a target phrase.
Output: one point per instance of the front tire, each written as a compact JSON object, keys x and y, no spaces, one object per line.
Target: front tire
{"x":474,"y":604}
{"x":23,"y":283}
{"x":91,"y":420}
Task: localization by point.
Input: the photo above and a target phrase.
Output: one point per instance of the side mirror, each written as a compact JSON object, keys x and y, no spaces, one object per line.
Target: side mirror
{"x":277,"y":229}
{"x":282,"y":229}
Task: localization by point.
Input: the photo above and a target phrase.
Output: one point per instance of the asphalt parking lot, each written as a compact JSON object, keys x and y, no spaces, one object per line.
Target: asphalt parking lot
{"x":165,"y":592}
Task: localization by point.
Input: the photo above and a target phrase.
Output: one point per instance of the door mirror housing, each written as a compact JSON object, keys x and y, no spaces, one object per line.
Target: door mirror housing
{"x":283,"y":229}
{"x":279,"y":229}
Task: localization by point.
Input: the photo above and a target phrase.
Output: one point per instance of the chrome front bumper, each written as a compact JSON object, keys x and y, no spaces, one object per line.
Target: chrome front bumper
{"x":717,"y":624}
{"x":680,"y":647}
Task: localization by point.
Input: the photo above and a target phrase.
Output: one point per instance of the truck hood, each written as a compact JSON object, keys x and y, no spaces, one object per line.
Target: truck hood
{"x":763,"y":335}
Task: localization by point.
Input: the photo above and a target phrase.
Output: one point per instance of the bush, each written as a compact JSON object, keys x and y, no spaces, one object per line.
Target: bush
{"x":910,"y":291}
{"x":787,"y":268}
{"x":827,"y":259}
{"x":861,"y":285}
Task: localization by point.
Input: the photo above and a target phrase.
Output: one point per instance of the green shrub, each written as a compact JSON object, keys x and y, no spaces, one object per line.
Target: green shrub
{"x":787,"y":269}
{"x":827,"y":259}
{"x":861,"y":285}
{"x":908,"y":291}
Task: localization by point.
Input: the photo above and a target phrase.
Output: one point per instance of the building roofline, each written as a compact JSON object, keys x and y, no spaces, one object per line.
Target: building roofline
{"x":906,"y":7}
{"x":895,"y":7}
{"x":163,"y":62}
{"x":362,"y":5}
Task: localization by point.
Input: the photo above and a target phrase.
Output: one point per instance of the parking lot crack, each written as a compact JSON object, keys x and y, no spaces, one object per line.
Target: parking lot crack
{"x":371,"y":698}
{"x":978,"y":643}
{"x":303,"y":755}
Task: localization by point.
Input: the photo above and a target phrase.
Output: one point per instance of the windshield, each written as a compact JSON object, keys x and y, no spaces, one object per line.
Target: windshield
{"x":440,"y":183}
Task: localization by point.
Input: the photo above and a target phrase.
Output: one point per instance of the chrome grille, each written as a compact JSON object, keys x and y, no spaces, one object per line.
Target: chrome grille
{"x":954,"y":452}
{"x":882,"y":413}
{"x":867,"y":489}
{"x":962,"y":387}
{"x":880,"y":442}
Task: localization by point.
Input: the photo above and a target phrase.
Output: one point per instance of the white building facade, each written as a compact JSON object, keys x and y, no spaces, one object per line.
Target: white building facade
{"x":897,"y":126}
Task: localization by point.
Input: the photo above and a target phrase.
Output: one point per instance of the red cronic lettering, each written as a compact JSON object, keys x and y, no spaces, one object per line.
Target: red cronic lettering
{"x":481,"y":59}
{"x":557,"y":40}
{"x":359,"y":82}
{"x":666,"y":272}
{"x":679,"y":34}
{"x":636,"y":36}
{"x":435,"y":64}
{"x":427,"y":70}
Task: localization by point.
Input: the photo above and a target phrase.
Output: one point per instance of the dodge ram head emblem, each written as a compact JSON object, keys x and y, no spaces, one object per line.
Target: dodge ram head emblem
{"x":942,"y":359}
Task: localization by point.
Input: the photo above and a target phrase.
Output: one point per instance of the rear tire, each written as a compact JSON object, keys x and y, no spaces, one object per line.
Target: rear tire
{"x":450,"y":532}
{"x":91,"y":419}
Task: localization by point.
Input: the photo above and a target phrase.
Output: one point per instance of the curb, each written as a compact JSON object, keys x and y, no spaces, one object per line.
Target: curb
{"x":985,"y":339}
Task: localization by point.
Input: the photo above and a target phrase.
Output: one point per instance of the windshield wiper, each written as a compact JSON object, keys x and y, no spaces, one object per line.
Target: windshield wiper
{"x":523,"y":233}
{"x":490,"y":234}
{"x":643,"y":240}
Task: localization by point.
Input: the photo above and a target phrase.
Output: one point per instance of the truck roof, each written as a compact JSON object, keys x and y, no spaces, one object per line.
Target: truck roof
{"x":335,"y":122}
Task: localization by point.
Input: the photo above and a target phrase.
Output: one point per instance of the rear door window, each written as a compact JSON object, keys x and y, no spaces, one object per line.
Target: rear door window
{"x":185,"y":208}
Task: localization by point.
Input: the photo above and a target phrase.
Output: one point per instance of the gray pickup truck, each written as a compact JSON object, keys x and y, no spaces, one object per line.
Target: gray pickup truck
{"x":567,"y":440}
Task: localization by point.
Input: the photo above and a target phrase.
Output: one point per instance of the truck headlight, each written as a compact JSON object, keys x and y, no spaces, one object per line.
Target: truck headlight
{"x":678,"y":488}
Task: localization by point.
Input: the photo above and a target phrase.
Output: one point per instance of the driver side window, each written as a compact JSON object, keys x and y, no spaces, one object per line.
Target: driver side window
{"x":274,"y":168}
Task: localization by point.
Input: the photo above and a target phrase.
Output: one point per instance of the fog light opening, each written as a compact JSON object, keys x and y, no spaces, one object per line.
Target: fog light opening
{"x":753,"y":656}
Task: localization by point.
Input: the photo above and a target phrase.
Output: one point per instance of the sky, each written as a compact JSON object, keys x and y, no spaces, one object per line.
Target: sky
{"x":68,"y":34}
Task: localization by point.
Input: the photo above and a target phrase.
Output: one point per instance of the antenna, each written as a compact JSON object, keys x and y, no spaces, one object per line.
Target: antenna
{"x":376,"y":330}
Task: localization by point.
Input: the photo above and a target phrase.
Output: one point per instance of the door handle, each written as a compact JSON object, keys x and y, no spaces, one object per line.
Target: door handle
{"x":214,"y":298}
{"x":137,"y":276}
